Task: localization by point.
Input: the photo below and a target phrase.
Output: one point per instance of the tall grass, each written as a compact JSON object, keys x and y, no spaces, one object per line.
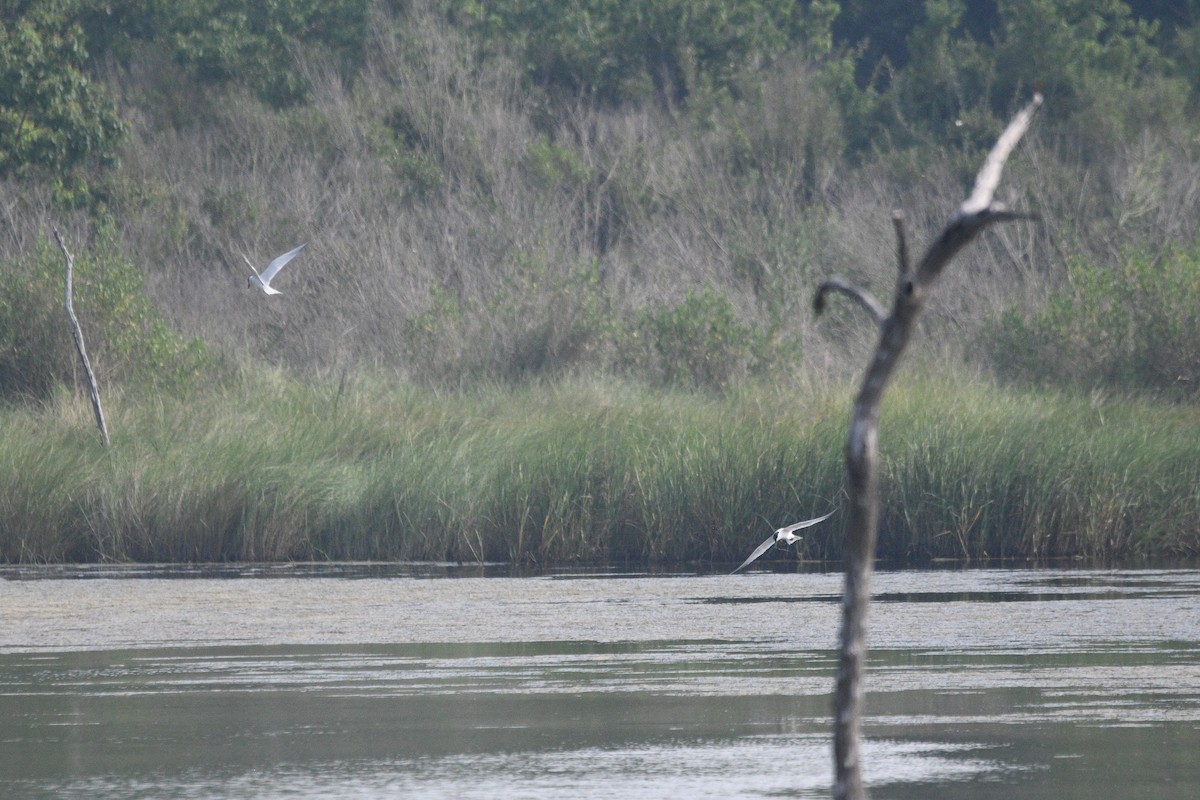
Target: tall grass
{"x":977,"y":472}
{"x":269,"y":468}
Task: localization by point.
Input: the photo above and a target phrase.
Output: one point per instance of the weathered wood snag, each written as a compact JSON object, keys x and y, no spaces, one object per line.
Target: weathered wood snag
{"x":93,"y":391}
{"x":862,"y":450}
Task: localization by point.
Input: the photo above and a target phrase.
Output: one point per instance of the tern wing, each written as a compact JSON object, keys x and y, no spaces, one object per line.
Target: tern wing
{"x":806,"y":523}
{"x":758,"y":551}
{"x":277,"y":264}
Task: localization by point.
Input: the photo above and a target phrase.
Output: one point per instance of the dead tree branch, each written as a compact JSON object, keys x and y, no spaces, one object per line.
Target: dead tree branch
{"x":93,"y":391}
{"x":862,"y":450}
{"x":864,"y":298}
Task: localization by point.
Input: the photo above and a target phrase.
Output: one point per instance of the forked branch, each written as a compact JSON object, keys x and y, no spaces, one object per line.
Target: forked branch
{"x":862,"y":452}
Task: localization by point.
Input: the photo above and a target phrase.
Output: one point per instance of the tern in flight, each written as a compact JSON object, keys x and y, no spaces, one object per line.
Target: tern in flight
{"x":263,"y":281}
{"x":783,"y":536}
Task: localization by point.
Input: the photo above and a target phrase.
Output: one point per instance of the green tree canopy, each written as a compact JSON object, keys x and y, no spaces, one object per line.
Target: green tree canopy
{"x":960,"y":71}
{"x":616,"y":51}
{"x":52,"y":117}
{"x":258,"y":46}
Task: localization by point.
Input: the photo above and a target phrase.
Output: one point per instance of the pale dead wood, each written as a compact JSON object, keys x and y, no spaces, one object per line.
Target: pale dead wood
{"x":77,"y":332}
{"x":862,"y":451}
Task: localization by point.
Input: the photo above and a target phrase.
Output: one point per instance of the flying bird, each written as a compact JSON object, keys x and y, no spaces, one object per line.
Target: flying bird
{"x":783,"y":536}
{"x":263,"y":281}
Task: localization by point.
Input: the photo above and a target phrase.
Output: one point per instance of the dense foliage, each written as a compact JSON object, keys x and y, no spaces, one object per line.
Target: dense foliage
{"x":1133,"y":326}
{"x":52,"y":117}
{"x":222,"y":42}
{"x":662,"y":49}
{"x":515,"y":188}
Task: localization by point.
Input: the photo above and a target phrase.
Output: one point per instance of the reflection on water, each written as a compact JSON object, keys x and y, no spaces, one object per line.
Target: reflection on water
{"x":683,"y":769}
{"x":377,"y":681}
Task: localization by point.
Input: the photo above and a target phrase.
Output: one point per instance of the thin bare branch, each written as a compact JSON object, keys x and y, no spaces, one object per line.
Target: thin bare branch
{"x":861,"y":296}
{"x":77,"y":333}
{"x":901,"y":242}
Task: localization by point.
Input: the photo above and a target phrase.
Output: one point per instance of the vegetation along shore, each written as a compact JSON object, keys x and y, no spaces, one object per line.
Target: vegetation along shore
{"x":272,"y":468}
{"x":555,"y":301}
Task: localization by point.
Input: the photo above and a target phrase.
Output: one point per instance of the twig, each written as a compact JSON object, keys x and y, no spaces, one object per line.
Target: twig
{"x":862,"y":447}
{"x":93,"y":391}
{"x":901,"y":242}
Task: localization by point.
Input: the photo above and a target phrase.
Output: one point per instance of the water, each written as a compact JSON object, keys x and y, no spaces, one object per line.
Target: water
{"x":368,"y":681}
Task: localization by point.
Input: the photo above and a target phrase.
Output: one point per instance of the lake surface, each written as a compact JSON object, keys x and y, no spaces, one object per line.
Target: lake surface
{"x":359,"y":681}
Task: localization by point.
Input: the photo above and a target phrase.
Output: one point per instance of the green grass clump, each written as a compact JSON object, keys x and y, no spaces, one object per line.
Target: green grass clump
{"x":268,"y":468}
{"x":973,"y":471}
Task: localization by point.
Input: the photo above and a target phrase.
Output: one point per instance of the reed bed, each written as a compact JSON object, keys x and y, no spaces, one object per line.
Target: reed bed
{"x":270,"y":468}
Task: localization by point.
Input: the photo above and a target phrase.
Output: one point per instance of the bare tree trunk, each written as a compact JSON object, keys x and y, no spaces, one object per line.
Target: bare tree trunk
{"x":862,"y":448}
{"x":93,"y":391}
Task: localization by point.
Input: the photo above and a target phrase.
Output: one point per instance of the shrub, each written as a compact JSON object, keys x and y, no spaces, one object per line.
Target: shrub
{"x":1132,"y":326}
{"x":539,"y":318}
{"x":699,"y":343}
{"x":126,"y":336}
